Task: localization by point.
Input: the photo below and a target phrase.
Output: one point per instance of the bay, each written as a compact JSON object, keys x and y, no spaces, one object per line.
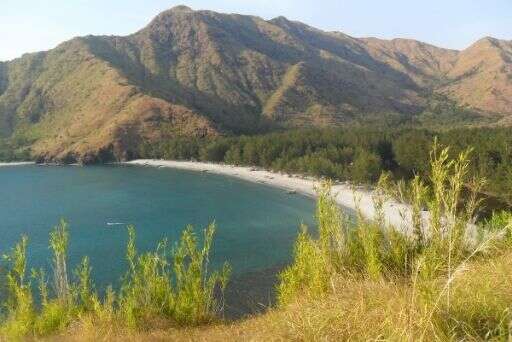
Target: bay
{"x":256,"y":224}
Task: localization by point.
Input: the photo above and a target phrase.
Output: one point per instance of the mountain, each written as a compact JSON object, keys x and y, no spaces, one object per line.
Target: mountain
{"x":202,"y":74}
{"x":481,"y":77}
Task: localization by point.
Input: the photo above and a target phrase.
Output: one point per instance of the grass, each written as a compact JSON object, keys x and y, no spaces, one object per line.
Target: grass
{"x":176,"y":288}
{"x":165,"y":287}
{"x":358,"y":308}
{"x":19,"y":305}
{"x":426,"y":264}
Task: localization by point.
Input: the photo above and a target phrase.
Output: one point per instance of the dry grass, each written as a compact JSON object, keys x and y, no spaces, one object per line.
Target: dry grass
{"x":326,"y":319}
{"x":482,"y":299}
{"x":357,"y":309}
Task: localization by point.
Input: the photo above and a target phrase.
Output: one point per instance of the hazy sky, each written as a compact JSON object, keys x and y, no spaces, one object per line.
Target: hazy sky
{"x":34,"y":25}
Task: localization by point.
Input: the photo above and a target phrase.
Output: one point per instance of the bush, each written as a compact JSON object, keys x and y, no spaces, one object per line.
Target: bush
{"x":500,"y":221}
{"x":175,"y":286}
{"x":372,"y":250}
{"x":366,"y":167}
{"x":161,"y":286}
{"x":19,"y":304}
{"x":309,"y":274}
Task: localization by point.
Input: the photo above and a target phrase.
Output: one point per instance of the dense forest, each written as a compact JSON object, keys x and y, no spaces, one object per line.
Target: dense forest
{"x":359,"y":155}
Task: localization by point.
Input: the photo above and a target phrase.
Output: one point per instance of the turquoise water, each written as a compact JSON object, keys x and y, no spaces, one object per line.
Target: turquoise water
{"x":256,"y":224}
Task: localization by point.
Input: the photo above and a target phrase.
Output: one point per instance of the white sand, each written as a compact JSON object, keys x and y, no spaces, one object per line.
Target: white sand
{"x":16,"y":163}
{"x":396,"y":214}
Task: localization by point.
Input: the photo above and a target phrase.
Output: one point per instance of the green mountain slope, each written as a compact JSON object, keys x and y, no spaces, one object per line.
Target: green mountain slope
{"x":201,"y":73}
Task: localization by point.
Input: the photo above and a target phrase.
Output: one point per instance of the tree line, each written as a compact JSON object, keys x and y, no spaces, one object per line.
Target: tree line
{"x":358,"y":155}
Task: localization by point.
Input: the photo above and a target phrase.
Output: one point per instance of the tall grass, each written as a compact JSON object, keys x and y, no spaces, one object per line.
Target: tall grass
{"x":429,"y":256}
{"x":174,"y":285}
{"x":500,"y":221}
{"x":309,"y":274}
{"x":168,"y":286}
{"x":19,"y":305}
{"x":59,"y":240}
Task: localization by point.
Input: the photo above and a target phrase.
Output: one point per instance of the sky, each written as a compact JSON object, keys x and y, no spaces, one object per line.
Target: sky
{"x":36,"y":25}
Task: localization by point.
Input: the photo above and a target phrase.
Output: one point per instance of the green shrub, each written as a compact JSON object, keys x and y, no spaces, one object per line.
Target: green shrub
{"x":366,"y":167}
{"x":371,"y":237}
{"x":54,"y":316}
{"x":372,"y":249}
{"x":309,"y":273}
{"x":314,"y":260}
{"x":194,"y":300}
{"x":57,"y":311}
{"x":499,"y":221}
{"x":19,"y":304}
{"x":59,"y":239}
{"x":175,"y":285}
{"x":171,"y":286}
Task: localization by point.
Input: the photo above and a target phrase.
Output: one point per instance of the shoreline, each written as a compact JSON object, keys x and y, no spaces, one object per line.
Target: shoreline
{"x":395,"y":214}
{"x":16,"y":164}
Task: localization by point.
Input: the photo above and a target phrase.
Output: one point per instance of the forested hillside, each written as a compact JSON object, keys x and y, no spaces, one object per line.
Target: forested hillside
{"x":358,"y":155}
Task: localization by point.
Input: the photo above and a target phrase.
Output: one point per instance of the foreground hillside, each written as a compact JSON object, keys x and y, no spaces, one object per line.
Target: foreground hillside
{"x":358,"y":310}
{"x":201,"y":74}
{"x":433,"y":278}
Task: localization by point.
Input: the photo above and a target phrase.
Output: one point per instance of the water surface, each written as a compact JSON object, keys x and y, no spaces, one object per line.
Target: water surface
{"x":256,"y":224}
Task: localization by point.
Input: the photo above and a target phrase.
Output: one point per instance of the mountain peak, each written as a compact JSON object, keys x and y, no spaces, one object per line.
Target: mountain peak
{"x":486,"y":42}
{"x":281,"y":18}
{"x":161,"y":21}
{"x":174,"y":11}
{"x":181,"y":9}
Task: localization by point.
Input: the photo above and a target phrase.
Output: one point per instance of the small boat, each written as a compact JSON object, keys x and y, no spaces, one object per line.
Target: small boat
{"x":291,"y":192}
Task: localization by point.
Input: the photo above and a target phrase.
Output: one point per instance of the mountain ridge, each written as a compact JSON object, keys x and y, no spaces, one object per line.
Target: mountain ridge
{"x":202,"y":73}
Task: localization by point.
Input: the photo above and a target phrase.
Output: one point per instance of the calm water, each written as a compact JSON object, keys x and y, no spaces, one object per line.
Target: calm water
{"x":256,"y":224}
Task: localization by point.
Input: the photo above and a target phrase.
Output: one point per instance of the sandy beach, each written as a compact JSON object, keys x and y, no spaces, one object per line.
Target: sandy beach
{"x":396,"y":214}
{"x":16,"y":164}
